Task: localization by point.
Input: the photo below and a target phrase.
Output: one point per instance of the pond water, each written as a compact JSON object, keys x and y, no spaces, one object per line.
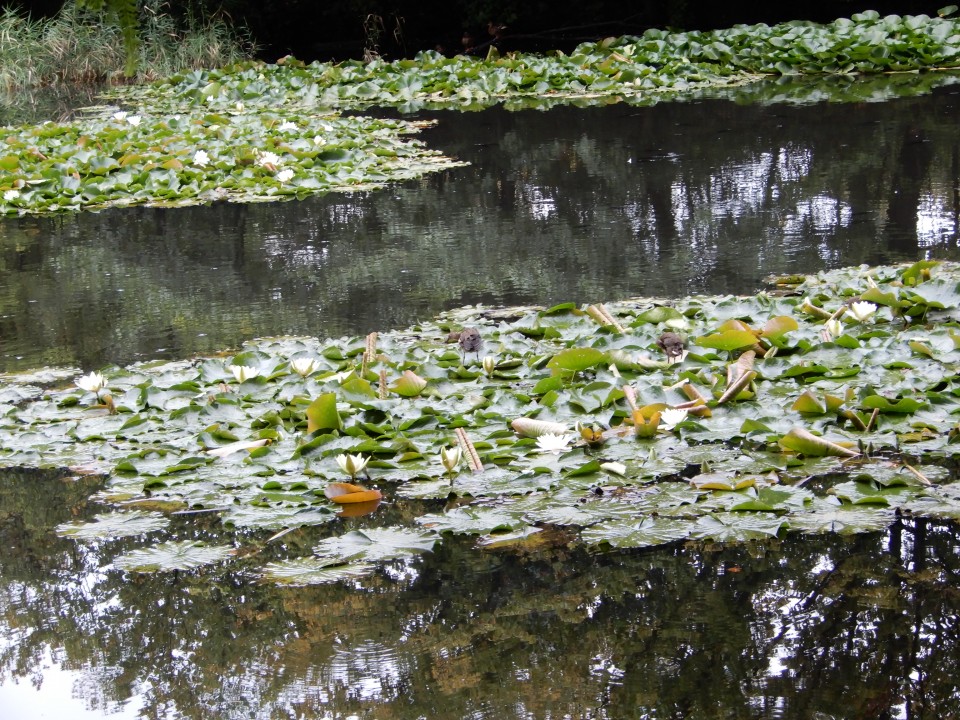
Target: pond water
{"x":808,"y":627}
{"x":579,"y":204}
{"x":582,"y":204}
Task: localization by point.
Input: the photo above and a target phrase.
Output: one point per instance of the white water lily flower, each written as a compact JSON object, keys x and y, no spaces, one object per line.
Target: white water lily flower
{"x":862,"y":310}
{"x":243,"y":372}
{"x":285,"y":175}
{"x":318,"y":140}
{"x":120,"y":115}
{"x":11,"y":195}
{"x":133,"y":120}
{"x":94,"y":382}
{"x":201,"y":159}
{"x":303,"y":366}
{"x":450,"y":457}
{"x":285,"y":126}
{"x":352,"y":465}
{"x":671,"y":417}
{"x":239,"y":107}
{"x":551,"y":443}
{"x":269,"y":158}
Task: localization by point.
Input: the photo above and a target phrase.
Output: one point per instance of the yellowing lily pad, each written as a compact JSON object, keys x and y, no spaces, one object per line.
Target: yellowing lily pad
{"x":806,"y":443}
{"x":343,"y":493}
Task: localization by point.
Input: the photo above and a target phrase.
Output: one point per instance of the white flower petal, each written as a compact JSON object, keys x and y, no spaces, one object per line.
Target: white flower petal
{"x":94,"y":382}
{"x":551,"y":443}
{"x":670,"y":417}
{"x":862,"y":310}
{"x":243,"y":372}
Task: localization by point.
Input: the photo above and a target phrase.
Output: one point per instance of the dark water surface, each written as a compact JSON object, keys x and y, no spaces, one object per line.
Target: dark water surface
{"x":581,"y":204}
{"x":571,"y":204}
{"x":809,"y":627}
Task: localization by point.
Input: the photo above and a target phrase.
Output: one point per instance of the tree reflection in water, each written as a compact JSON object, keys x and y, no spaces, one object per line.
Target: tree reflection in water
{"x":571,"y":204}
{"x":811,"y":626}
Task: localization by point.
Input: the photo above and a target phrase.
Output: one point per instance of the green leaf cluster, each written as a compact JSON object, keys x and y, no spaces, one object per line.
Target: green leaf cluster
{"x":770,"y":458}
{"x":252,"y":131}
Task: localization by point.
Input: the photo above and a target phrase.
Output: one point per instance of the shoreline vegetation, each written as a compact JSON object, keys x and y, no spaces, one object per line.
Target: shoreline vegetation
{"x":80,"y":48}
{"x":251,"y":131}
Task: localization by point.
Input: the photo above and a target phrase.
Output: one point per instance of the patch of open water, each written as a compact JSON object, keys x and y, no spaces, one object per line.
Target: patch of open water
{"x":571,"y":204}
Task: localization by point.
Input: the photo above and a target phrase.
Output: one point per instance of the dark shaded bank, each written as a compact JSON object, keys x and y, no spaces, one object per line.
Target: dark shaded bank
{"x":342,"y":30}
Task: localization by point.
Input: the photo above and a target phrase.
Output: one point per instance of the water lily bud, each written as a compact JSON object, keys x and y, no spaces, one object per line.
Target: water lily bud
{"x":834,"y":327}
{"x":352,"y":464}
{"x":489,"y":364}
{"x":243,"y":372}
{"x":303,"y":366}
{"x":450,"y":457}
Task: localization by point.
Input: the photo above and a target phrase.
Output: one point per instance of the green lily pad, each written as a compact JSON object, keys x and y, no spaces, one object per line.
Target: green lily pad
{"x":174,"y":555}
{"x":115,"y":525}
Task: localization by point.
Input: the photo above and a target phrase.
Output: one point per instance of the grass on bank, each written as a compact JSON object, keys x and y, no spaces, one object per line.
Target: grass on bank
{"x":78,"y":47}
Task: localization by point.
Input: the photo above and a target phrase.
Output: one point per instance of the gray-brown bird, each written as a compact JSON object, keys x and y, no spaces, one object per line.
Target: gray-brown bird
{"x":672,"y":344}
{"x":470,"y":342}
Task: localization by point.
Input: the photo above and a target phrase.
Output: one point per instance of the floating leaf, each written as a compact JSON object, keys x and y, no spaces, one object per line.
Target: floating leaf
{"x":225,"y":450}
{"x":828,"y":515}
{"x":648,"y":532}
{"x":315,"y":571}
{"x":577,"y":359}
{"x":409,"y":385}
{"x":808,"y":403}
{"x":174,"y":555}
{"x":728,"y":340}
{"x":114,"y":525}
{"x":806,"y":443}
{"x":529,"y":427}
{"x":342,"y":493}
{"x":777,"y":327}
{"x":376,"y":544}
{"x":322,"y":414}
{"x":736,"y":527}
{"x":903,"y":405}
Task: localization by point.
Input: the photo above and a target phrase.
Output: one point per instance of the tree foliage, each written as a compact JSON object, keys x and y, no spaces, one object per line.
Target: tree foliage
{"x":126,"y":14}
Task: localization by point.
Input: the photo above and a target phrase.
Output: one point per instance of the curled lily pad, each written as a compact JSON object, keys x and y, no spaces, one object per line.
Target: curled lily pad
{"x":776,"y":327}
{"x":806,"y":443}
{"x":530,"y":427}
{"x":238,"y":446}
{"x":409,"y":385}
{"x":343,"y":493}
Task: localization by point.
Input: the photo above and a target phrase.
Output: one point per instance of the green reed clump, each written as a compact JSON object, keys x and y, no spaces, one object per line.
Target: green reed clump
{"x":80,"y":47}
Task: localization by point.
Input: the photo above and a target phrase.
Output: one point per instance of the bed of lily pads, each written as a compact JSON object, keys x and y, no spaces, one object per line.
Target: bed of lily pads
{"x":258,"y":131}
{"x":830,"y":403}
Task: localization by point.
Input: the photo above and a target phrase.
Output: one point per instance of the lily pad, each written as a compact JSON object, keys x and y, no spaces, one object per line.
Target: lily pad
{"x":173,"y":555}
{"x":115,"y":525}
